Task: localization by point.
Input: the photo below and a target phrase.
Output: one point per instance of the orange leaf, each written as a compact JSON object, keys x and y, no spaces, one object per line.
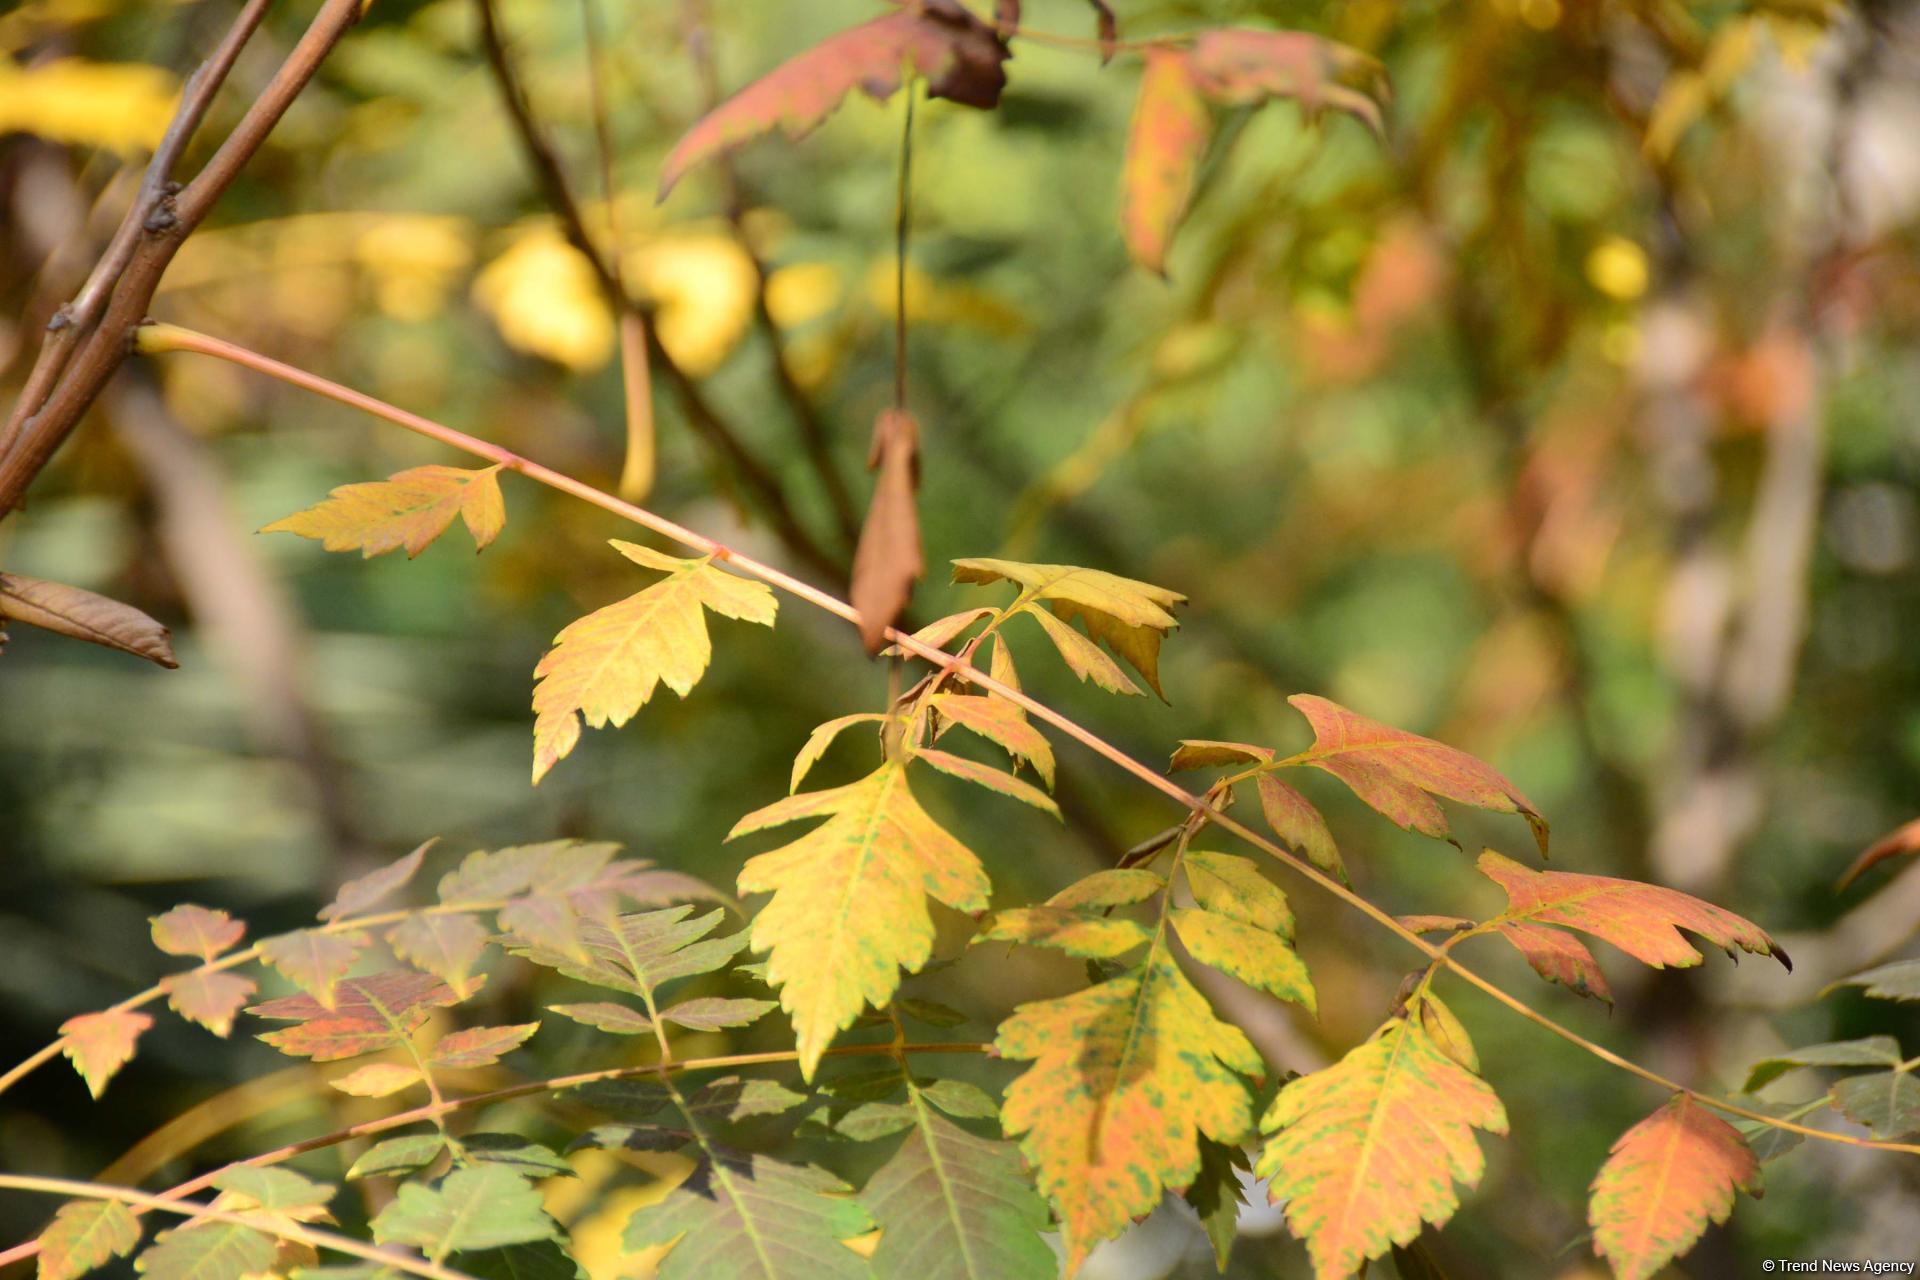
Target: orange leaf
{"x":959,"y":55}
{"x":1667,"y":1178}
{"x":1365,"y":1151}
{"x":1643,"y":920}
{"x":888,"y":562}
{"x":1235,"y":66}
{"x":312,"y":960}
{"x":1297,"y":823}
{"x":1559,"y":957}
{"x":1171,"y":128}
{"x":190,"y":930}
{"x":208,"y":998}
{"x":101,"y":1043}
{"x":408,"y":510}
{"x":370,"y":1013}
{"x":1399,"y":773}
{"x":1903,"y":839}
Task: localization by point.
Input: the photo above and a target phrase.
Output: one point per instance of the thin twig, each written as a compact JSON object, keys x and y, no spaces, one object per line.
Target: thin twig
{"x":552,"y":178}
{"x":159,"y":338}
{"x":902,"y":225}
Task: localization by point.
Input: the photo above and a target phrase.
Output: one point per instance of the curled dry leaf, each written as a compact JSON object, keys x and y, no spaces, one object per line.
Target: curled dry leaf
{"x":1904,"y":839}
{"x":82,"y":615}
{"x":888,"y":560}
{"x":959,"y":55}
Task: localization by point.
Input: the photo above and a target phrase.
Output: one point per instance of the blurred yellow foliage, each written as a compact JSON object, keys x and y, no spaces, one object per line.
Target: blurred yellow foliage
{"x":802,"y":292}
{"x":542,"y":296}
{"x":934,"y":301}
{"x":1617,"y":267}
{"x":703,"y":284}
{"x":121,"y":106}
{"x":413,"y":260}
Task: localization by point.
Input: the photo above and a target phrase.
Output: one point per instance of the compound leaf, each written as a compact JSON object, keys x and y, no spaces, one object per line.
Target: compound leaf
{"x":749,"y":1217}
{"x":482,"y":1206}
{"x":376,"y":1012}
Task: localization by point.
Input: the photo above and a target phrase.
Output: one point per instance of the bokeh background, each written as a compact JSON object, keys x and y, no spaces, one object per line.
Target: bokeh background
{"x":1574,"y":423}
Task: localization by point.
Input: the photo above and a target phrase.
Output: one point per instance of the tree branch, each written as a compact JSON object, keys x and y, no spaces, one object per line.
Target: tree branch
{"x":159,"y":338}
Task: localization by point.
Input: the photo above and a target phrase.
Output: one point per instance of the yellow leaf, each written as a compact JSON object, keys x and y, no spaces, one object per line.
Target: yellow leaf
{"x":542,"y":294}
{"x":849,"y":907}
{"x":122,"y":107}
{"x":605,"y":666}
{"x":408,"y":510}
{"x":376,"y":1079}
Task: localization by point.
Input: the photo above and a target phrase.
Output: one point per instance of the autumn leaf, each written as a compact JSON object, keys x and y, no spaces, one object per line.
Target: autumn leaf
{"x":377,"y":1079}
{"x":1558,"y":957}
{"x":959,"y":56}
{"x":638,"y":953}
{"x":370,"y":890}
{"x":1232,"y":886}
{"x":849,"y":907}
{"x":313,"y":959}
{"x":604,"y":667}
{"x":99,"y":1044}
{"x":1400,"y":773}
{"x":207,"y":997}
{"x":1238,"y":66}
{"x":409,"y":509}
{"x":479,"y":1046}
{"x":1365,"y":1151}
{"x":1643,"y":920}
{"x":446,"y":946}
{"x":1903,"y":839}
{"x":1298,"y":824}
{"x":887,"y":561}
{"x":953,"y":1206}
{"x":1667,"y":1178}
{"x":820,"y":739}
{"x":82,"y":615}
{"x":189,"y":930}
{"x":85,"y":1234}
{"x":1129,"y":616}
{"x":372,"y":1013}
{"x":1171,"y":128}
{"x":213,"y":1251}
{"x":1126,"y":1077}
{"x":986,"y":776}
{"x":1001,"y":723}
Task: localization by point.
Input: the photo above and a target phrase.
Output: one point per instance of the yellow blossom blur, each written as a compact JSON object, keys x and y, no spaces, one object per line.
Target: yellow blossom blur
{"x":122,"y":107}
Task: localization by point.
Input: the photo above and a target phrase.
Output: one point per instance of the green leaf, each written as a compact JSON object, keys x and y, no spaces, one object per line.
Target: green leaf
{"x":524,"y":1156}
{"x":1216,"y":1195}
{"x":1897,"y":981}
{"x":480,"y":1207}
{"x":953,"y":1206}
{"x":393,"y":1156}
{"x":749,"y":1217}
{"x":961,"y":1100}
{"x":540,"y":1260}
{"x":211,"y":1251}
{"x":83,"y":1235}
{"x":1872,"y":1051}
{"x":640,"y":952}
{"x":271,"y":1188}
{"x":986,"y":776}
{"x":1887,"y":1102}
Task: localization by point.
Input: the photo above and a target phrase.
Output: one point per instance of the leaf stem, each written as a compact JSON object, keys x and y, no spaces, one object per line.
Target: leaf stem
{"x":902,"y":224}
{"x":156,"y":338}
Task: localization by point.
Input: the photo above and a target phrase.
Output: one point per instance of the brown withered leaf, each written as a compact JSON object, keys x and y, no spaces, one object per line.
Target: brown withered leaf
{"x":1902,"y":839}
{"x":82,"y":615}
{"x":960,"y":56}
{"x":888,"y":561}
